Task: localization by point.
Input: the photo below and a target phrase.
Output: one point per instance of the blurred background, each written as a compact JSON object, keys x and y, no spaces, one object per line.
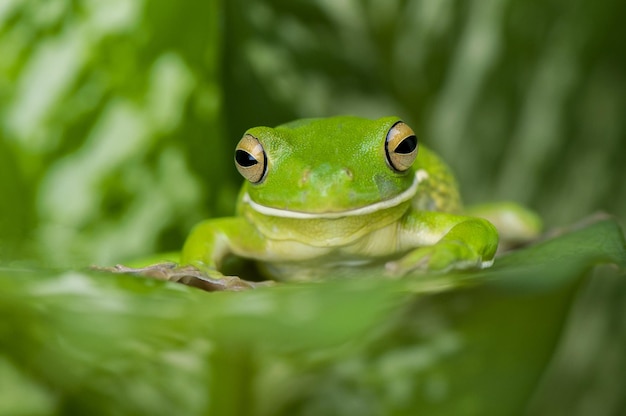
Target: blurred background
{"x":118,"y":120}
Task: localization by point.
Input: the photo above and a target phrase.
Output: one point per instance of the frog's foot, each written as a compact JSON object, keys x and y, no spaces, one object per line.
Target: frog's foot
{"x":211,"y":280}
{"x":440,"y":258}
{"x":517,"y":226}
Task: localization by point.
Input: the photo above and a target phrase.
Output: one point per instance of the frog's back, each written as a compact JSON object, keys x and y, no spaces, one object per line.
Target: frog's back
{"x":438,"y":190}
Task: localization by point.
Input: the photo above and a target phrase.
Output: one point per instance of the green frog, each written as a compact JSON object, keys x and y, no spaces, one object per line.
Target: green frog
{"x":337,"y":196}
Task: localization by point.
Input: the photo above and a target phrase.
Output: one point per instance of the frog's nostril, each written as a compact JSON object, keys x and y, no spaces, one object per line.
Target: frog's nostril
{"x":348,"y":173}
{"x":305,"y":177}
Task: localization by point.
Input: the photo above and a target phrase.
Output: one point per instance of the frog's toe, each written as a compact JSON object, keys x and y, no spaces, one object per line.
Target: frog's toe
{"x":439,"y":258}
{"x":417,"y":260}
{"x":393,"y":269}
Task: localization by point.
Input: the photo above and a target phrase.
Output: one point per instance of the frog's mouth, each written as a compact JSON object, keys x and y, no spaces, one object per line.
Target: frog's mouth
{"x":406,"y":195}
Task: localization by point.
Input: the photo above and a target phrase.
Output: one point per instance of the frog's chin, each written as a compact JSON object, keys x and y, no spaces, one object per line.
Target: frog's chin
{"x":406,"y":195}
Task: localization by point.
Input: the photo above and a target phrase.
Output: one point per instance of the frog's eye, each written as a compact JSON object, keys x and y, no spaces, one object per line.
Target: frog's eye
{"x":401,"y":147}
{"x":250,"y":159}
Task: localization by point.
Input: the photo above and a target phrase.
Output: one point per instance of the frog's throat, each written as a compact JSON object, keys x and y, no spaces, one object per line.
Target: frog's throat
{"x":406,"y":195}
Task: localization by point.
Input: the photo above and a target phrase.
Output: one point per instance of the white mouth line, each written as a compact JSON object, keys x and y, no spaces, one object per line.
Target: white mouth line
{"x":420,"y":175}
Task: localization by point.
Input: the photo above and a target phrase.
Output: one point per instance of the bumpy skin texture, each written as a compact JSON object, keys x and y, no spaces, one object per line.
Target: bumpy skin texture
{"x":330,"y":203}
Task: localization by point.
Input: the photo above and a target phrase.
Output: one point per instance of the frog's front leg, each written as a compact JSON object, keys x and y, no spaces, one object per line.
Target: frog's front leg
{"x":444,"y":242}
{"x":208,"y":246}
{"x":205,"y":250}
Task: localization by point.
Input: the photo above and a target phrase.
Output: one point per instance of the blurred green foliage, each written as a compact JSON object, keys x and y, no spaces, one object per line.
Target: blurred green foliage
{"x":465,"y":344}
{"x":112,"y":116}
{"x":118,"y":119}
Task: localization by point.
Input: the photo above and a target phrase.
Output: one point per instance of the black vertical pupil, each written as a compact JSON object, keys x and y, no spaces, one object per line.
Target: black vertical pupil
{"x":245,"y":159}
{"x":407,"y":145}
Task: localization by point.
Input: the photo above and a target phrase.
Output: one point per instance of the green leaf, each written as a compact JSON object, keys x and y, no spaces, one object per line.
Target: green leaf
{"x":464,"y":344}
{"x":597,"y":240}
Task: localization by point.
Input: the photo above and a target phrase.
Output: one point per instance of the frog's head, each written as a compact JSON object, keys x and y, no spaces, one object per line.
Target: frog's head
{"x":328,"y":168}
